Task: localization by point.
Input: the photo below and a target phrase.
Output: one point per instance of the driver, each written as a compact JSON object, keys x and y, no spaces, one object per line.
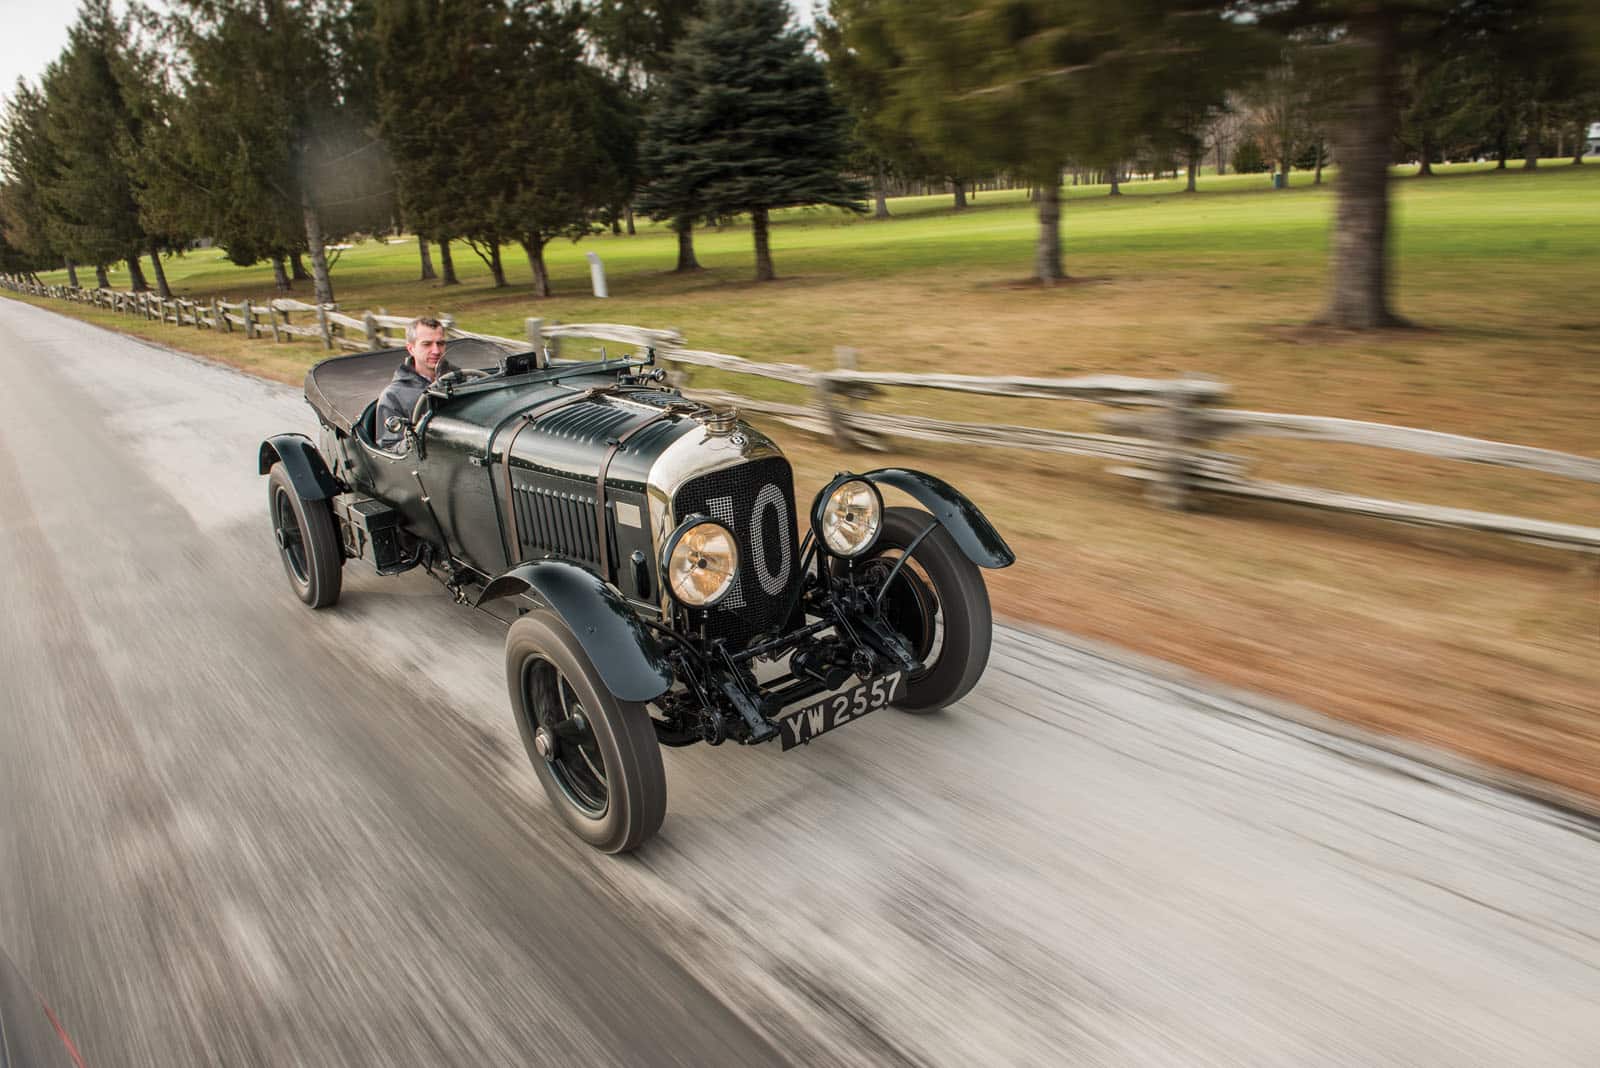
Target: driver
{"x":424,"y":363}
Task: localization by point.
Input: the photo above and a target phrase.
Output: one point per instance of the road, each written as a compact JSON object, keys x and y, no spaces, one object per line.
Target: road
{"x":239,"y":832}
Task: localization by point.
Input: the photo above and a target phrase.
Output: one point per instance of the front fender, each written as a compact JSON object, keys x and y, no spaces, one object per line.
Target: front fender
{"x":627,"y":656}
{"x":302,"y":463}
{"x":970,"y":528}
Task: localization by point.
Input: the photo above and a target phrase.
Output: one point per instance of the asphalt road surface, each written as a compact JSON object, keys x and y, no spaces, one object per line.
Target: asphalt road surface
{"x":238,"y":832}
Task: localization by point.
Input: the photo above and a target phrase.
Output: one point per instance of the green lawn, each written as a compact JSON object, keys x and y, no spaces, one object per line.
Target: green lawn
{"x":1482,"y":644}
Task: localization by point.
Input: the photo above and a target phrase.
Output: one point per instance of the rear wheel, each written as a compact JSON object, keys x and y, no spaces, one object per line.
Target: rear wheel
{"x":597,"y":757}
{"x":938,"y":603}
{"x":307,"y":541}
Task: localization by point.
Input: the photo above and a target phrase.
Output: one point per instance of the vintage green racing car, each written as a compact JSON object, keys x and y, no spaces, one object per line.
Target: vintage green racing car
{"x":646,"y":553}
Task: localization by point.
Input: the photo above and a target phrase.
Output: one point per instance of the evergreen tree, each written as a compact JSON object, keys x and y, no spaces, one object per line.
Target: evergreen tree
{"x":746,"y":125}
{"x":639,"y":37}
{"x":1370,"y":42}
{"x":1024,"y":86}
{"x":447,"y":71}
{"x":90,"y":197}
{"x":27,"y":167}
{"x":277,"y":132}
{"x":862,"y":58}
{"x":568,"y":129}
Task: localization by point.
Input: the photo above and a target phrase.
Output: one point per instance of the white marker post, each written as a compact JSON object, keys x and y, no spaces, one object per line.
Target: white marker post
{"x":597,"y":275}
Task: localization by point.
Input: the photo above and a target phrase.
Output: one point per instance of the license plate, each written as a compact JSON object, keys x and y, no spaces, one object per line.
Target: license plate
{"x":801,"y":725}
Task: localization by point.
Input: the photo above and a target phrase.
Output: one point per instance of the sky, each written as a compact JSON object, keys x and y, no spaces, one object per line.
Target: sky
{"x":33,"y":32}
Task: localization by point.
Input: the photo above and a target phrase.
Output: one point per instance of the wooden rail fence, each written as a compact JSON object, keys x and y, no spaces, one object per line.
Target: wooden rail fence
{"x":1161,"y":435}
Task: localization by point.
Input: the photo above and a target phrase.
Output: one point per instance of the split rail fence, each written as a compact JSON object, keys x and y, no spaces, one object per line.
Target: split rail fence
{"x":1161,"y":436}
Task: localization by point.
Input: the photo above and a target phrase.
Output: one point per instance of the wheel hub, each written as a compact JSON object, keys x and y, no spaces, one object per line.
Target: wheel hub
{"x":544,"y":743}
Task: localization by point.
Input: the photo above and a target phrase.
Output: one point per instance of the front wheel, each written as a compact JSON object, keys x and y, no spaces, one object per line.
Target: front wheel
{"x":596,"y":756}
{"x":939,"y":604}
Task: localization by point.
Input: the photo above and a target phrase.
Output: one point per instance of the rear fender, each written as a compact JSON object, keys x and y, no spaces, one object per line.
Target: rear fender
{"x":627,"y":656}
{"x":970,"y":528}
{"x":302,"y":463}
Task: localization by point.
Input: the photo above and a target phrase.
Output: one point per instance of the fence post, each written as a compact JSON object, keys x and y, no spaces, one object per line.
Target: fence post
{"x":325,"y":326}
{"x":535,"y":331}
{"x":272,"y":317}
{"x":370,"y":323}
{"x":1175,"y":427}
{"x":828,"y":399}
{"x":836,"y":403}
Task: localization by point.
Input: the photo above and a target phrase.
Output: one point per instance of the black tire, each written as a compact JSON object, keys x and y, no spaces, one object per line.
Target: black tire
{"x":939,"y":602}
{"x":307,"y":541}
{"x":604,"y":774}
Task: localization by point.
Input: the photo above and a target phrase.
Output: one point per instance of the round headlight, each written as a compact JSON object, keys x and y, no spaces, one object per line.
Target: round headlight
{"x":701,"y":561}
{"x":850,"y":517}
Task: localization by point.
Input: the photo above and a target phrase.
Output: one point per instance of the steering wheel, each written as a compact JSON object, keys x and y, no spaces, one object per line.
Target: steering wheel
{"x":458,"y":374}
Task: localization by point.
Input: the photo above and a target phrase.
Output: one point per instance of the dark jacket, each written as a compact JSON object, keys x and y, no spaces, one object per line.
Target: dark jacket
{"x":399,"y":398}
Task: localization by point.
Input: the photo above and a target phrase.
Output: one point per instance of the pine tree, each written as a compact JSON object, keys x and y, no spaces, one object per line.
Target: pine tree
{"x":568,"y":129}
{"x":27,"y":167}
{"x":746,"y":124}
{"x":90,"y":199}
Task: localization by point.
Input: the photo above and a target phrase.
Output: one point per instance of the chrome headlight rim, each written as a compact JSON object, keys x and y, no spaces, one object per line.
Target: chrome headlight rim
{"x":670,"y":547}
{"x":819,"y":512}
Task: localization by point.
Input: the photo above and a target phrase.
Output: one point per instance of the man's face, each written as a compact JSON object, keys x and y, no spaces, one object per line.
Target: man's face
{"x":427,"y":351}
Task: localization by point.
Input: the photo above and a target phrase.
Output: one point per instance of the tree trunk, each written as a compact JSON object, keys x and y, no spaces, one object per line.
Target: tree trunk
{"x":161,"y":273}
{"x":319,"y":255}
{"x":100,"y":279}
{"x":1194,"y":169}
{"x":496,"y":268}
{"x":1047,"y":252}
{"x":1502,"y":148}
{"x":880,"y":193}
{"x":1116,"y":180}
{"x":629,"y":213}
{"x":683,"y":226}
{"x":1283,"y":165}
{"x":616,"y":225}
{"x":446,"y":264}
{"x":1322,"y":155}
{"x":426,"y":256}
{"x":297,"y":269}
{"x":280,"y":275}
{"x":1530,"y":150}
{"x":72,"y":274}
{"x":136,"y":280}
{"x":533,"y":245}
{"x":1359,"y":299}
{"x":758,"y":223}
{"x":960,"y":188}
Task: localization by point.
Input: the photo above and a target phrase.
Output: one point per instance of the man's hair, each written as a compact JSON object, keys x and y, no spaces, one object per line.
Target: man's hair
{"x":419,"y":321}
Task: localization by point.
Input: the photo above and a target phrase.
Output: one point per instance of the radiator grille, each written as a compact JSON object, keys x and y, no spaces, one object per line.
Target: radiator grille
{"x":756,"y":501}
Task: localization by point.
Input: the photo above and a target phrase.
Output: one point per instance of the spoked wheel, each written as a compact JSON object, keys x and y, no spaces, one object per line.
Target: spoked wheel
{"x":307,"y":541}
{"x":596,"y":756}
{"x":938,"y":603}
{"x":564,"y":737}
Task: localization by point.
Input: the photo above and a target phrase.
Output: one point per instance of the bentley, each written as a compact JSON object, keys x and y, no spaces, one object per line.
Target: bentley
{"x":659,"y":585}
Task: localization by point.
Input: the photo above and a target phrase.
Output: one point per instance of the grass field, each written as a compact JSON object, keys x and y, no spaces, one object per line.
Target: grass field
{"x":1489,"y":646}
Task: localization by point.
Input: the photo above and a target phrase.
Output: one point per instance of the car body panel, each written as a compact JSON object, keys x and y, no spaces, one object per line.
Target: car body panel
{"x":628,"y":658}
{"x":971,"y":529}
{"x":302,"y":462}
